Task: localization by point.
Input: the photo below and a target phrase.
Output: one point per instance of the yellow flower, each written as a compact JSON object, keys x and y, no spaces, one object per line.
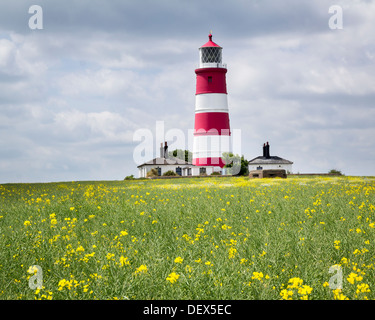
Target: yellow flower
{"x":262,"y":254}
{"x":337,"y":244}
{"x":109,"y":256}
{"x":353,"y":277}
{"x":295,"y":283}
{"x":123,"y":233}
{"x":124,"y":261}
{"x":27,"y":223}
{"x":286,"y":294}
{"x":80,"y":249}
{"x":178,"y":260}
{"x":173,"y":277}
{"x":363,"y":287}
{"x":304,"y":290}
{"x":257,"y":276}
{"x":141,"y":269}
{"x":337,"y":295}
{"x":232,"y":252}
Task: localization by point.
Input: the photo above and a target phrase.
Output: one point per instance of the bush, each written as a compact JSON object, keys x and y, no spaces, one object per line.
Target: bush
{"x":131,"y":177}
{"x":334,"y":171}
{"x":152,"y":173}
{"x":170,"y":173}
{"x":215,"y":173}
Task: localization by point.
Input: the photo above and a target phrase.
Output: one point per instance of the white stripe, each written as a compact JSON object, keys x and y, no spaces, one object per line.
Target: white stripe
{"x":212,"y":110}
{"x":210,"y":146}
{"x":208,"y":102}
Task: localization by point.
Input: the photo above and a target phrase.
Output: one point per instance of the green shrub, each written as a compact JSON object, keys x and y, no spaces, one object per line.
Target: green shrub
{"x":152,"y":173}
{"x":334,"y":171}
{"x":170,"y":173}
{"x":215,"y":173}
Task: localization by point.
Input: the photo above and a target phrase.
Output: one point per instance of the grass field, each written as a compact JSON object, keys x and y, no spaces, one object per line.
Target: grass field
{"x":206,"y":238}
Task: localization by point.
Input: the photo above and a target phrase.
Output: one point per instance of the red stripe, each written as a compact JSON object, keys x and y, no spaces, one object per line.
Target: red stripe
{"x":212,"y":123}
{"x":217,"y":83}
{"x":216,"y":162}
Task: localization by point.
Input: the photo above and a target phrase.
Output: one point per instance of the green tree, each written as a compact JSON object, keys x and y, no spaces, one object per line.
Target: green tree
{"x":235,"y":165}
{"x":335,"y":171}
{"x":181,"y":154}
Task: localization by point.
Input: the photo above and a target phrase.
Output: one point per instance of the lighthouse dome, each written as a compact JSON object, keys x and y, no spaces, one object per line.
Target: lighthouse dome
{"x":210,"y":54}
{"x":210,"y":43}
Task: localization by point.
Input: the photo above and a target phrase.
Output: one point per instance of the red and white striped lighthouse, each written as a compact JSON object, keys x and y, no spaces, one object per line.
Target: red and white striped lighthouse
{"x":211,"y":130}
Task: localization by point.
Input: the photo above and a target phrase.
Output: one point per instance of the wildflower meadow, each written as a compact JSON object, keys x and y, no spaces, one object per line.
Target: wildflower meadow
{"x":197,"y":238}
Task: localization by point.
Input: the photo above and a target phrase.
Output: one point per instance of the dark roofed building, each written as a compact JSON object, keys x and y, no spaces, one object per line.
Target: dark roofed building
{"x":266,"y":161}
{"x":164,"y":163}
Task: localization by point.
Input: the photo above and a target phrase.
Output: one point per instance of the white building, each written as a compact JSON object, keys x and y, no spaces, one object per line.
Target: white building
{"x":163,"y":164}
{"x":269,"y":162}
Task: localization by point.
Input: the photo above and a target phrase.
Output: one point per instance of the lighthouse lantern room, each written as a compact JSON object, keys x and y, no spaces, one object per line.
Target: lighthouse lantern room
{"x":212,"y":129}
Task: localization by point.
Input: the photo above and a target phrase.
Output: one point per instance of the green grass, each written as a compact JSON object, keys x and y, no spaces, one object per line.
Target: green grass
{"x":237,"y":238}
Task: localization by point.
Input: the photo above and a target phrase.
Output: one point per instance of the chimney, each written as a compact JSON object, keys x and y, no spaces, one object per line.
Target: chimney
{"x":268,"y":151}
{"x":166,"y":156}
{"x":161,"y":150}
{"x":264,"y":150}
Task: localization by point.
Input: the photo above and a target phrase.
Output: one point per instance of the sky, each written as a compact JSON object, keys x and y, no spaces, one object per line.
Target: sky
{"x":75,"y":94}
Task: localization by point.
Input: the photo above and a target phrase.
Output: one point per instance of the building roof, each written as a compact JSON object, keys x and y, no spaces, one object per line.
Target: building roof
{"x":163,"y":162}
{"x":269,"y":160}
{"x":210,"y":43}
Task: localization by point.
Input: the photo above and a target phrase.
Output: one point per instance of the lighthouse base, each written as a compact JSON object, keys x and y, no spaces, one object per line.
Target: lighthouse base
{"x":216,"y":162}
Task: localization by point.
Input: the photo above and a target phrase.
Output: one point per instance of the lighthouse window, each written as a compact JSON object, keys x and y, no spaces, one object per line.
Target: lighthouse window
{"x":211,"y":55}
{"x":209,"y":79}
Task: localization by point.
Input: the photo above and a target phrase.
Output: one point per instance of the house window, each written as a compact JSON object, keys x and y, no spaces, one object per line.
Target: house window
{"x":179,"y":171}
{"x":259,"y":168}
{"x":202,"y":170}
{"x":159,"y":171}
{"x":209,"y":79}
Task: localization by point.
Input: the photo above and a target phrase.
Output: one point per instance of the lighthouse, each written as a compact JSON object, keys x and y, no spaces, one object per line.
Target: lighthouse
{"x":211,"y":129}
